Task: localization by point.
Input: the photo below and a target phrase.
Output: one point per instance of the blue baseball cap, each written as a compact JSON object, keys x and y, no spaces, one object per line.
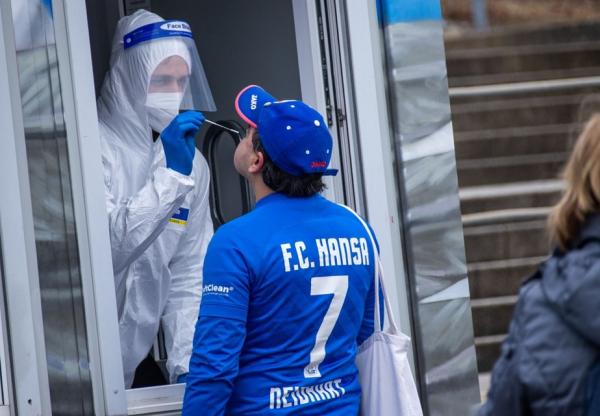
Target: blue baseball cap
{"x":294,"y":134}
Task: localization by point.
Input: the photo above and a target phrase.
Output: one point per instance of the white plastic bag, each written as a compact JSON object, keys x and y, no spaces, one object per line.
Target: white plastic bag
{"x":388,"y":387}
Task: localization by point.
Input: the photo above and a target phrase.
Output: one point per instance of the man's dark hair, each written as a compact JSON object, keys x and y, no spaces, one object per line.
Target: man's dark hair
{"x":283,"y":182}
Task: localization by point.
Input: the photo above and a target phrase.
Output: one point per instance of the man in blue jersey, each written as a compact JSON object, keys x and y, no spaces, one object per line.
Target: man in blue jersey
{"x":288,"y":287}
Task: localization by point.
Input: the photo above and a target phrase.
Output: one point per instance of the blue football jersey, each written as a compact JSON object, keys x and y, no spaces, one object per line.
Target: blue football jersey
{"x":295,"y":276}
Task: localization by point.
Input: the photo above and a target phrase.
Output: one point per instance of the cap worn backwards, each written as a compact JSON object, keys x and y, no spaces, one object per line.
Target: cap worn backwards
{"x":294,"y":134}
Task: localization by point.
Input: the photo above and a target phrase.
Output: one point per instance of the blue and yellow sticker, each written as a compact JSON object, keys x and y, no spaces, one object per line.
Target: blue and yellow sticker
{"x":180,"y":217}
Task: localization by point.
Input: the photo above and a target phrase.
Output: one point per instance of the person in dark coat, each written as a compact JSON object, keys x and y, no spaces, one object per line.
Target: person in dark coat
{"x":549,"y":364}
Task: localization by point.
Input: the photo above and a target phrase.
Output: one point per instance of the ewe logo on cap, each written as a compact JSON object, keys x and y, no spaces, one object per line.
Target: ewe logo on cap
{"x":177,"y":27}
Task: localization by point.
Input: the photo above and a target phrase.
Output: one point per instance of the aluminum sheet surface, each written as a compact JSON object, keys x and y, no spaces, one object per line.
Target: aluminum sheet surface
{"x":432,"y":227}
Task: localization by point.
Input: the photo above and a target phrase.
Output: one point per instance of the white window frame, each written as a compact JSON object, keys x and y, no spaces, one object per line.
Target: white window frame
{"x":312,"y":84}
{"x":376,"y":138}
{"x":94,"y":242}
{"x":81,"y":121}
{"x":88,"y":189}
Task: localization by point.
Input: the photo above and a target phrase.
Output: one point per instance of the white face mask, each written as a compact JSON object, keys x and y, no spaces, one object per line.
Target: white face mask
{"x":162,"y":108}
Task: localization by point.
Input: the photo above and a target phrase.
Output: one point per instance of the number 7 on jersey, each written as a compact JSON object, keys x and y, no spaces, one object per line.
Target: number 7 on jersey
{"x":338,"y":286}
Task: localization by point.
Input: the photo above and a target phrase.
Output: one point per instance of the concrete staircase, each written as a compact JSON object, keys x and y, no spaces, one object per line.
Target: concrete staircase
{"x":510,"y":146}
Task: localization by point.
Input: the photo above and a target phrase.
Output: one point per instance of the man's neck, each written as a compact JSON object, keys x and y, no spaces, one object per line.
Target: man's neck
{"x":260,"y":189}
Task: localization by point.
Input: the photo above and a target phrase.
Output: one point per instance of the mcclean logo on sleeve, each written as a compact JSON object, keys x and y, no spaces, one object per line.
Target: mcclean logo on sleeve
{"x":180,"y":217}
{"x":217,"y":290}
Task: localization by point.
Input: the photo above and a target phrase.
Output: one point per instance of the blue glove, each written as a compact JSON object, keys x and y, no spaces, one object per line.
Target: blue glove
{"x":178,"y":141}
{"x":182,"y":378}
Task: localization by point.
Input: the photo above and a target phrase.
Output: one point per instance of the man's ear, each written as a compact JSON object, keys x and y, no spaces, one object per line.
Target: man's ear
{"x":257,"y":163}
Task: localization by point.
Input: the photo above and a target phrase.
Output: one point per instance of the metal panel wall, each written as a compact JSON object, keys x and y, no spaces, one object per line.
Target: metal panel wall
{"x":88,"y":193}
{"x":432,"y":227}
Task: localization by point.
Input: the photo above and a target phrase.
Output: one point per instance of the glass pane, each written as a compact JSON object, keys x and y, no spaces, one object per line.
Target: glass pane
{"x":212,"y":24}
{"x":229,"y":182}
{"x":231,"y":196}
{"x":55,"y":231}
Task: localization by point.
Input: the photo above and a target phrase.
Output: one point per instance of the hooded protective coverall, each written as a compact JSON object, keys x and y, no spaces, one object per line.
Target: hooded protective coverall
{"x":159,"y":219}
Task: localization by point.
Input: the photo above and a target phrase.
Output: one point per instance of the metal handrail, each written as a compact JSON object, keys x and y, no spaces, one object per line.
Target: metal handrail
{"x":506,"y":216}
{"x":524,"y":87}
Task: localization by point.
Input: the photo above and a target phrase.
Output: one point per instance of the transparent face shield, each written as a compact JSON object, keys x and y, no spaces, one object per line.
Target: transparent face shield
{"x":176,"y":80}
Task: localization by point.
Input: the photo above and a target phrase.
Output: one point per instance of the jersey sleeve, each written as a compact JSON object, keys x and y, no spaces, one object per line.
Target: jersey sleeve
{"x":213,"y":366}
{"x":221,"y":327}
{"x":227,"y":276}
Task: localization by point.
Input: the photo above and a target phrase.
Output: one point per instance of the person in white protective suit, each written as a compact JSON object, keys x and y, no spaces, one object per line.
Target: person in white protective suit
{"x":157,"y":188}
